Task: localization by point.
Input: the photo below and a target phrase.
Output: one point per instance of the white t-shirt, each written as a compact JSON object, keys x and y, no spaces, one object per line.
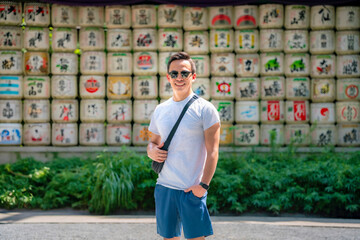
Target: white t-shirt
{"x":186,"y":158}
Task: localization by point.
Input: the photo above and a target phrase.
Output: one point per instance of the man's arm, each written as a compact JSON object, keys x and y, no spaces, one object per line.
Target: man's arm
{"x":153,"y":149}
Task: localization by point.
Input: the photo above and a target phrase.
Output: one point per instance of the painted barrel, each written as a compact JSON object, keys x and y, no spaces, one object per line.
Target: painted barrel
{"x":141,"y":134}
{"x":271,"y":40}
{"x":165,"y":89}
{"x":348,"y":134}
{"x":322,"y":113}
{"x":297,"y":134}
{"x":92,"y":86}
{"x":143,"y":110}
{"x":221,"y":17}
{"x":143,"y":16}
{"x":272,"y":64}
{"x":37,"y":134}
{"x":163,"y":61}
{"x":221,"y":40}
{"x":64,"y":134}
{"x":11,"y":87}
{"x":12,"y":62}
{"x":37,"y":14}
{"x":119,"y":40}
{"x":272,"y":134}
{"x":247,"y":41}
{"x":222,"y":88}
{"x":119,"y":87}
{"x":119,"y":63}
{"x":92,"y":39}
{"x":93,"y":62}
{"x":202,"y":65}
{"x":297,"y":17}
{"x":323,"y":90}
{"x":225,"y":109}
{"x":196,"y":42}
{"x":348,"y":66}
{"x":247,"y":65}
{"x":297,"y":112}
{"x":118,"y":134}
{"x":170,"y":16}
{"x":348,"y":112}
{"x":118,"y":16}
{"x":145,"y":63}
{"x":64,"y":16}
{"x":119,"y":111}
{"x":36,"y":63}
{"x":246,"y":134}
{"x":36,"y":87}
{"x":64,"y":39}
{"x":91,"y":134}
{"x":201,"y":87}
{"x":222,"y":64}
{"x":246,"y":16}
{"x":247,"y":89}
{"x":347,"y":89}
{"x":296,"y":41}
{"x":347,"y":42}
{"x":64,"y":63}
{"x":36,"y":110}
{"x":92,"y":110}
{"x":145,"y":87}
{"x":11,"y":38}
{"x":297,"y":88}
{"x":63,"y":86}
{"x":226,"y":134}
{"x":247,"y":112}
{"x":91,"y":16}
{"x":271,"y":16}
{"x":347,"y":17}
{"x":322,"y":17}
{"x":297,"y":65}
{"x":323,"y":134}
{"x":36,"y":39}
{"x":145,"y":39}
{"x":195,"y":18}
{"x":322,"y":42}
{"x":272,"y":112}
{"x":63,"y":111}
{"x":11,"y":111}
{"x":323,"y":66}
{"x":11,"y":13}
{"x":170,"y":39}
{"x":11,"y":134}
{"x":272,"y":88}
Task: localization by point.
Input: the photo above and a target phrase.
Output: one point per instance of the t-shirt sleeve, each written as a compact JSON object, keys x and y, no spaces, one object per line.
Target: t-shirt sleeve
{"x":153,"y":126}
{"x":210,"y":116}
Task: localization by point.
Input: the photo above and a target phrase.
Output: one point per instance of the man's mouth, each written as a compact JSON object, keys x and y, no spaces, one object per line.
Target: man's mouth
{"x":179,"y":84}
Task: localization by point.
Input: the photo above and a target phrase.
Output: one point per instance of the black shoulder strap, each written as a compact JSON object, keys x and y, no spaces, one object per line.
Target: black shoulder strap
{"x":173,"y":130}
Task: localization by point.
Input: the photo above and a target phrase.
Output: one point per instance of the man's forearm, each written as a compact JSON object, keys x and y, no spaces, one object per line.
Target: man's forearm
{"x":210,"y":167}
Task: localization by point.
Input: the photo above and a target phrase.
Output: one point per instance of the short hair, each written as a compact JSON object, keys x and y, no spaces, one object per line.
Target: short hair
{"x":182,"y":56}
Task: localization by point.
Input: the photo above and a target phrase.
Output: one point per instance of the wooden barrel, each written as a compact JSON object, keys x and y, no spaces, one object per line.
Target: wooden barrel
{"x":143,"y":110}
{"x":64,"y":63}
{"x":221,"y":40}
{"x":143,"y":16}
{"x":119,"y":111}
{"x":117,"y":16}
{"x":348,"y":112}
{"x":347,"y":42}
{"x":348,"y":134}
{"x":323,"y":66}
{"x":64,"y":39}
{"x":247,"y":65}
{"x":201,"y":87}
{"x":222,"y":64}
{"x":196,"y":42}
{"x":11,"y":111}
{"x":118,"y":134}
{"x":347,"y":17}
{"x":64,"y":111}
{"x":91,"y":16}
{"x":246,"y":16}
{"x":297,"y":65}
{"x":226,"y":134}
{"x":322,"y":17}
{"x":93,"y":62}
{"x":11,"y":134}
{"x":119,"y":87}
{"x":36,"y":87}
{"x":36,"y":63}
{"x":202,"y":64}
{"x":145,"y":39}
{"x":323,"y":90}
{"x":145,"y":63}
{"x":298,"y":88}
{"x":296,"y":41}
{"x":247,"y":41}
{"x":11,"y":38}
{"x":11,"y":87}
{"x":141,"y":134}
{"x":297,"y":112}
{"x":247,"y":112}
{"x":119,"y":63}
{"x":36,"y":39}
{"x":64,"y":134}
{"x":271,"y":40}
{"x":12,"y":63}
{"x":225,"y":109}
{"x":221,"y":17}
{"x":145,"y":87}
{"x":246,"y":134}
{"x":92,"y":110}
{"x":272,"y":88}
{"x":36,"y":111}
{"x":170,"y":16}
{"x":272,"y":133}
{"x":170,"y":39}
{"x":64,"y":16}
{"x":37,"y":14}
{"x":322,"y":42}
{"x":13,"y":12}
{"x":223,"y":88}
{"x":37,"y":134}
{"x":92,"y":86}
{"x":323,"y":135}
{"x":271,"y":16}
{"x":348,"y":66}
{"x":322,"y":113}
{"x":92,"y":39}
{"x":119,"y":40}
{"x":195,"y":18}
{"x":297,"y":17}
{"x":272,"y":64}
{"x":63,"y":86}
{"x":272,"y":112}
{"x":347,"y":89}
{"x":297,"y":134}
{"x":91,"y":134}
{"x":247,"y":89}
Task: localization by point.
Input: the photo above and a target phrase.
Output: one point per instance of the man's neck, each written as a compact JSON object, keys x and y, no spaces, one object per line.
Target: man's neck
{"x":179,"y":97}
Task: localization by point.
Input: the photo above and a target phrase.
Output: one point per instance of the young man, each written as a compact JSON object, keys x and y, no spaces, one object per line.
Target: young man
{"x":191,"y":159}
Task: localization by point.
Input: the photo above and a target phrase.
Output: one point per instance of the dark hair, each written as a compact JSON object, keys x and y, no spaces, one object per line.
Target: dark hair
{"x":182,"y":56}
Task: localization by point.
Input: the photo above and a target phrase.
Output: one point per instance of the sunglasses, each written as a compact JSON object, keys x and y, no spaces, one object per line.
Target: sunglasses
{"x":184,"y":74}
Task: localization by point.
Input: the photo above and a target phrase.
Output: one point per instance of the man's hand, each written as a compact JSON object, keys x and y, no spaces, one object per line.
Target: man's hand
{"x":197,"y":190}
{"x":155,"y":153}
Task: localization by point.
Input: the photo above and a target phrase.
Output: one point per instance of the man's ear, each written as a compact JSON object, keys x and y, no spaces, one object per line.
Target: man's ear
{"x":193,"y":77}
{"x":168,"y":77}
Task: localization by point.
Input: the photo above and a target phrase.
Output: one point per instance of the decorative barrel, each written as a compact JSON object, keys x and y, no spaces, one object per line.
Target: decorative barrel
{"x":201,"y":87}
{"x":36,"y":111}
{"x":118,"y":16}
{"x":195,"y":18}
{"x":247,"y":112}
{"x":11,"y":111}
{"x":92,"y":39}
{"x":143,"y":110}
{"x":272,"y":134}
{"x":37,"y":87}
{"x":145,"y":87}
{"x":323,"y":90}
{"x":272,"y":88}
{"x":145,"y":39}
{"x":221,"y":17}
{"x":271,"y":16}
{"x":322,"y":42}
{"x":246,"y":135}
{"x":11,"y":13}
{"x":37,"y":134}
{"x":92,"y":134}
{"x":119,"y":63}
{"x":272,"y":64}
{"x":296,"y":41}
{"x":348,"y":112}
{"x":297,"y":111}
{"x":297,"y":17}
{"x":297,"y":65}
{"x":91,"y":16}
{"x":247,"y":41}
{"x":322,"y":113}
{"x":11,"y":87}
{"x":323,"y":135}
{"x":196,"y":42}
{"x":322,"y":17}
{"x":92,"y":110}
{"x":64,"y":39}
{"x":119,"y":40}
{"x":225,"y":109}
{"x":93,"y":62}
{"x":119,"y":87}
{"x":247,"y":89}
{"x":64,"y":134}
{"x":36,"y":63}
{"x":165,"y":89}
{"x":36,"y":39}
{"x":64,"y":16}
{"x":119,"y":111}
{"x":247,"y":65}
{"x":226,"y":134}
{"x":118,"y":134}
{"x":222,"y":88}
{"x":170,"y":16}
{"x":163,"y":61}
{"x":323,"y":66}
{"x":347,"y":42}
{"x":272,"y":112}
{"x":63,"y":111}
{"x":141,"y":134}
{"x":348,"y":134}
{"x":202,"y":64}
{"x":64,"y":63}
{"x":63,"y":86}
{"x":348,"y":66}
{"x":347,"y":89}
{"x":298,"y":88}
{"x":145,"y":63}
{"x":297,"y":134}
{"x":222,"y":64}
{"x":37,"y":14}
{"x":271,"y":40}
{"x":143,"y":16}
{"x":170,"y":39}
{"x":12,"y":62}
{"x":11,"y":134}
{"x":347,"y":17}
{"x":221,"y":40}
{"x":92,"y":86}
{"x":246,"y":17}
{"x":11,"y":38}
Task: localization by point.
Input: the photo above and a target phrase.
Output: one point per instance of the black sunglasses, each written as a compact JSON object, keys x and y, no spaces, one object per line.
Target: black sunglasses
{"x":184,"y":74}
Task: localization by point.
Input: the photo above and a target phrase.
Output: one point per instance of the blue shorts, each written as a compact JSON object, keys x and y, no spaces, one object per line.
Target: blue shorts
{"x":176,"y":209}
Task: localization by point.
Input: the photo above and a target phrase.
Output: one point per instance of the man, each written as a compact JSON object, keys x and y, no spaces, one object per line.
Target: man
{"x":191,"y":159}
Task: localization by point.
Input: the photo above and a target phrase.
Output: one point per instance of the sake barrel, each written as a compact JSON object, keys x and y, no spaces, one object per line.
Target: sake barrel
{"x":272,"y":64}
{"x":272,"y":134}
{"x":37,"y":14}
{"x":10,"y":13}
{"x":64,"y":134}
{"x":323,"y":134}
{"x":322,"y":113}
{"x":11,"y":38}
{"x":145,"y":39}
{"x":195,"y":18}
{"x":12,"y":62}
{"x":347,"y":42}
{"x":348,"y":134}
{"x":11,"y":111}
{"x":196,"y":42}
{"x":247,"y":65}
{"x":221,"y":40}
{"x":92,"y":110}
{"x":93,"y":62}
{"x":143,"y":110}
{"x":36,"y":39}
{"x":296,"y":41}
{"x":37,"y":87}
{"x":143,"y":16}
{"x":348,"y":66}
{"x":170,"y":15}
{"x":117,"y":16}
{"x":145,"y":87}
{"x":272,"y":112}
{"x":63,"y":86}
{"x":322,"y":17}
{"x":246,"y":134}
{"x":119,"y":40}
{"x":119,"y":111}
{"x":11,"y":87}
{"x":64,"y":63}
{"x":271,"y":16}
{"x":247,"y":112}
{"x":323,"y":66}
{"x":141,"y":134}
{"x":118,"y":134}
{"x":11,"y":134}
{"x":92,"y":134}
{"x":323,"y":90}
{"x":297,"y":65}
{"x":91,"y":16}
{"x":223,"y":64}
{"x":170,"y":39}
{"x":271,"y":40}
{"x":347,"y":89}
{"x":247,"y":89}
{"x":64,"y":111}
{"x":322,"y":42}
{"x":163,"y":62}
{"x":119,"y":63}
{"x":225,"y":109}
{"x":37,"y":134}
{"x":297,"y":88}
{"x":165,"y":89}
{"x":201,"y":87}
{"x":297,"y":17}
{"x":64,"y":39}
{"x":347,"y":112}
{"x":145,"y":63}
{"x":272,"y":88}
{"x":246,"y":16}
{"x":347,"y":17}
{"x":202,"y":64}
{"x":36,"y":63}
{"x":222,"y":88}
{"x":297,"y":134}
{"x":64,"y":16}
{"x":36,"y":110}
{"x":92,"y":39}
{"x":221,"y":17}
{"x":247,"y":41}
{"x":297,"y":111}
{"x":119,"y":87}
{"x":226,"y":134}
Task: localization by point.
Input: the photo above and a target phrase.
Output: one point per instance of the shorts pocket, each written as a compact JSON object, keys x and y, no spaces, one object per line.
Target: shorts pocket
{"x":195,"y":197}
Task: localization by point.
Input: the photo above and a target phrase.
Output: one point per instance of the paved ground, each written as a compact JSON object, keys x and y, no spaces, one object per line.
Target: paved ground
{"x":70,"y":224}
